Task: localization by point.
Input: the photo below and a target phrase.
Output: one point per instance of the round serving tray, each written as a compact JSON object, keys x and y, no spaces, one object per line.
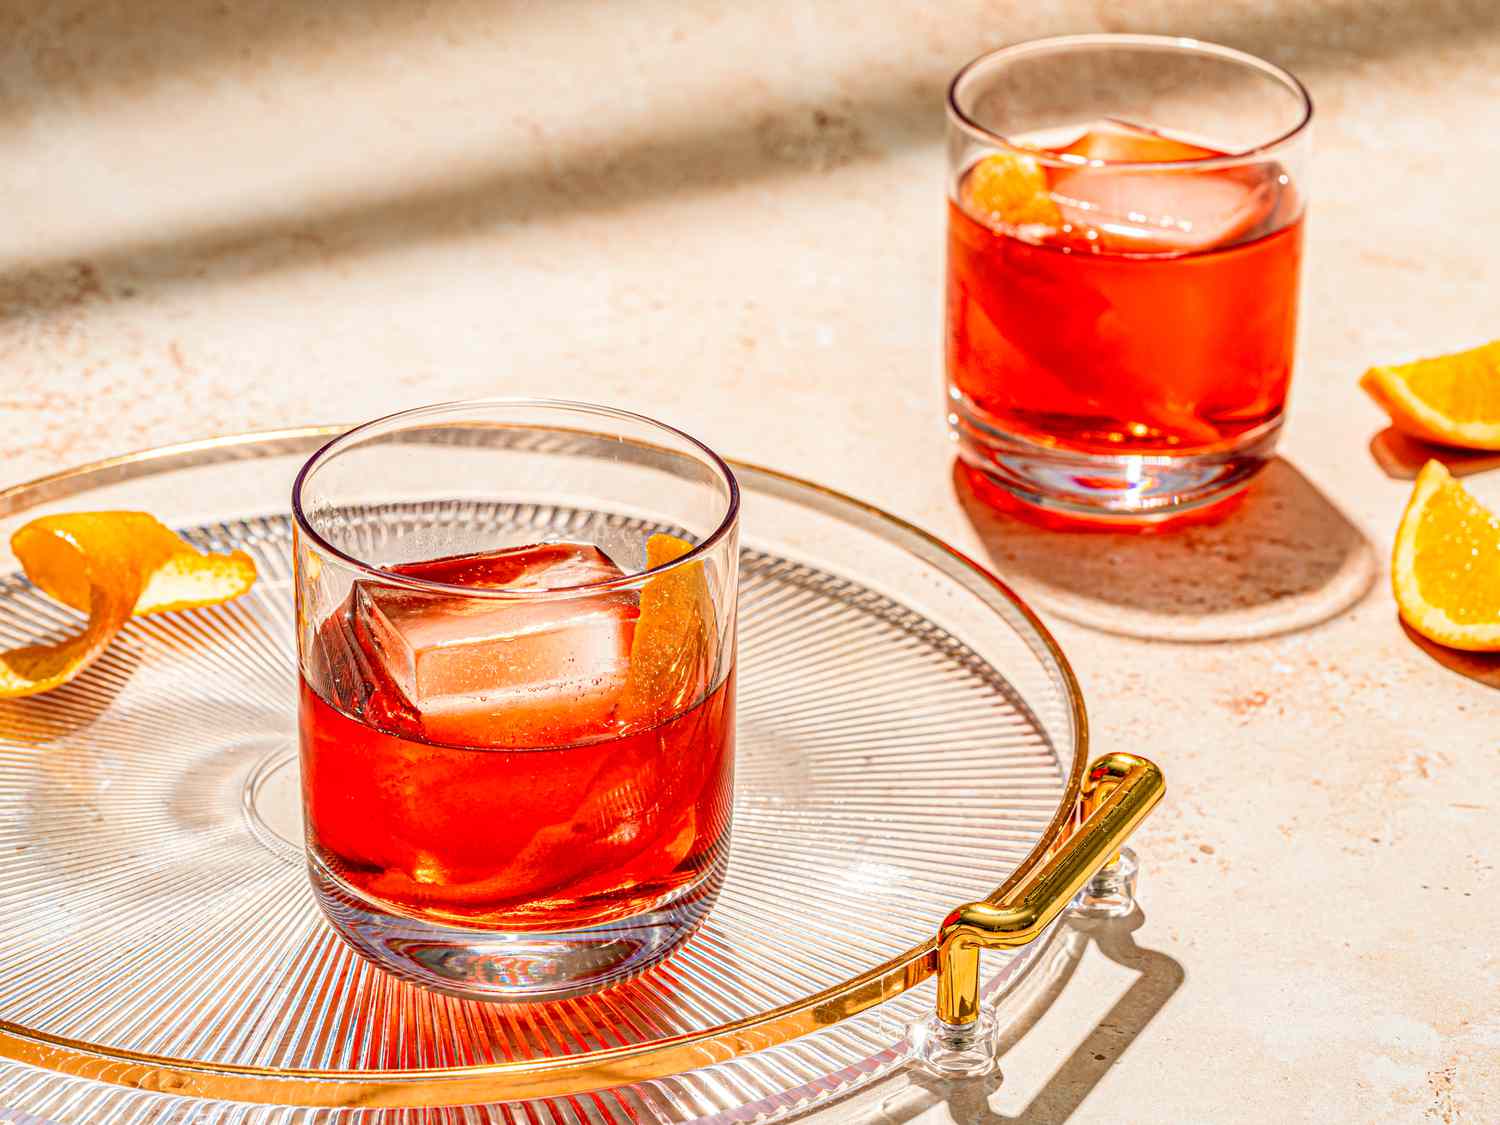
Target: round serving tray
{"x":910,"y":739}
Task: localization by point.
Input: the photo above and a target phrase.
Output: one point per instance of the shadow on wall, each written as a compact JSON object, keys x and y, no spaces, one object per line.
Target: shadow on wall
{"x":1285,"y":559}
{"x":84,"y":54}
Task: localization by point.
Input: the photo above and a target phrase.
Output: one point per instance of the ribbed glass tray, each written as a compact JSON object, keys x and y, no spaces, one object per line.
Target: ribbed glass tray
{"x":909,"y":740}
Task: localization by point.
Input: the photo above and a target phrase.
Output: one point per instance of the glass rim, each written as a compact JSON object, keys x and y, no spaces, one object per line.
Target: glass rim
{"x":1186,"y":44}
{"x":343,"y":441}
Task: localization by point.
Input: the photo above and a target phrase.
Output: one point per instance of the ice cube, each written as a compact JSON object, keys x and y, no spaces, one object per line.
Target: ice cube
{"x":491,"y":672}
{"x":1160,"y":212}
{"x":1174,"y":211}
{"x":1120,"y":141}
{"x":540,"y":566}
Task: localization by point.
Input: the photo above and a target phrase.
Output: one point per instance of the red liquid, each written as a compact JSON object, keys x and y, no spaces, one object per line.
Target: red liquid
{"x":567,"y":816}
{"x":1115,"y":337}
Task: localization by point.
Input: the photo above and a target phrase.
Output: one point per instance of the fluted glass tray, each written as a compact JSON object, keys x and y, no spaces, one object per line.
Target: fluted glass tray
{"x":909,"y":740}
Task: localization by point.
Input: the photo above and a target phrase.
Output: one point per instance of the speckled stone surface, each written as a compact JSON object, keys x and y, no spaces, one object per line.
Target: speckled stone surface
{"x":222,"y":217}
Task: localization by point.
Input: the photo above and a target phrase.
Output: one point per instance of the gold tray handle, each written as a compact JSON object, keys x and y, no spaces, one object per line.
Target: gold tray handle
{"x":1118,"y":791}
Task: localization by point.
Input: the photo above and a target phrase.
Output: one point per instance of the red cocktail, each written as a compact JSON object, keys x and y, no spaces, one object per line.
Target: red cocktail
{"x":1122,"y":298}
{"x":1128,"y":330}
{"x":516,"y":634}
{"x":497,"y":765}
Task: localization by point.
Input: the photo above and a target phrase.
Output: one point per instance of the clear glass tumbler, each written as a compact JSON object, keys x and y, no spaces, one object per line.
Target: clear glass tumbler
{"x":516,"y":635}
{"x":1124,"y":247}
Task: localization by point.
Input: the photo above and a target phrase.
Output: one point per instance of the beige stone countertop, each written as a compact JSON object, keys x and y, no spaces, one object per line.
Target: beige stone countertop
{"x":220,"y":217}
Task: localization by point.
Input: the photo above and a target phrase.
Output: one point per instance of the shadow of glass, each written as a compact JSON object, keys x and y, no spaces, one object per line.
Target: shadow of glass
{"x":1401,"y":457}
{"x":1481,"y":667}
{"x":1285,"y":559}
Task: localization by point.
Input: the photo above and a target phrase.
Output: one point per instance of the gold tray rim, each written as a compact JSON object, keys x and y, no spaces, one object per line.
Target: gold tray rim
{"x":515,"y":1080}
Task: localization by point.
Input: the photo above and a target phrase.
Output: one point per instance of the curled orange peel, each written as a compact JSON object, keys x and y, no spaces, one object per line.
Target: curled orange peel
{"x":1011,"y":189}
{"x":109,"y":565}
{"x":671,"y":656}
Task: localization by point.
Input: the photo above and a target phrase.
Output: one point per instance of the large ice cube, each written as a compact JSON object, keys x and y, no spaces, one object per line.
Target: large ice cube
{"x":1118,"y":141}
{"x":1179,"y":210}
{"x":493,"y":672}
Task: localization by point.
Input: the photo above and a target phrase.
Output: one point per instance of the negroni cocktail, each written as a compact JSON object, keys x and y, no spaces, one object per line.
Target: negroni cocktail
{"x":497,"y":763}
{"x":1121,"y":292}
{"x":516,"y":635}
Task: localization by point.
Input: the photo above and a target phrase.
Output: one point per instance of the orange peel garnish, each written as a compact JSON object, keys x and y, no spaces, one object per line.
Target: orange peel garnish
{"x":1011,"y":189}
{"x":109,"y":565}
{"x":1451,"y":399}
{"x":1445,"y":569}
{"x":671,"y":655}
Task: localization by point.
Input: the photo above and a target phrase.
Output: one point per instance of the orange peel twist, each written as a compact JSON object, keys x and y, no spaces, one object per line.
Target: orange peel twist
{"x":1012,"y":189}
{"x":671,"y":657}
{"x":109,"y":565}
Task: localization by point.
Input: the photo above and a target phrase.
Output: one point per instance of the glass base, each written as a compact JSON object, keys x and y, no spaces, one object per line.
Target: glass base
{"x":1066,"y":487}
{"x":950,"y":1050}
{"x":1111,"y":892}
{"x":484,"y":964}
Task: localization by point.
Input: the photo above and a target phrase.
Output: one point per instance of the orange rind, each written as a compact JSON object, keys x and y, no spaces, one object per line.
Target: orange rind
{"x":671,"y":656}
{"x":1451,"y":399}
{"x":109,"y":565}
{"x":1446,"y":566}
{"x":1010,"y":189}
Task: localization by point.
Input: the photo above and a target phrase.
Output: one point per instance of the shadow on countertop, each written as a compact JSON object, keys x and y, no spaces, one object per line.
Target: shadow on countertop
{"x":1401,"y":457}
{"x":112,"y":52}
{"x":1284,"y":559}
{"x":1158,"y":977}
{"x":1481,"y":667}
{"x":119,"y":50}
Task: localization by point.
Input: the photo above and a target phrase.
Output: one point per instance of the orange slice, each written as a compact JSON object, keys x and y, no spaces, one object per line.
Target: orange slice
{"x":1446,"y":566}
{"x":1452,"y":399}
{"x":671,"y":657}
{"x":1011,"y":189}
{"x":109,"y":565}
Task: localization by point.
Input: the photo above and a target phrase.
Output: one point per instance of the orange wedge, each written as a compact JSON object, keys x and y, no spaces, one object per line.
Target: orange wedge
{"x":1446,"y":566}
{"x":671,"y":657}
{"x":109,"y":565}
{"x":1452,"y":399}
{"x":1011,"y":189}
